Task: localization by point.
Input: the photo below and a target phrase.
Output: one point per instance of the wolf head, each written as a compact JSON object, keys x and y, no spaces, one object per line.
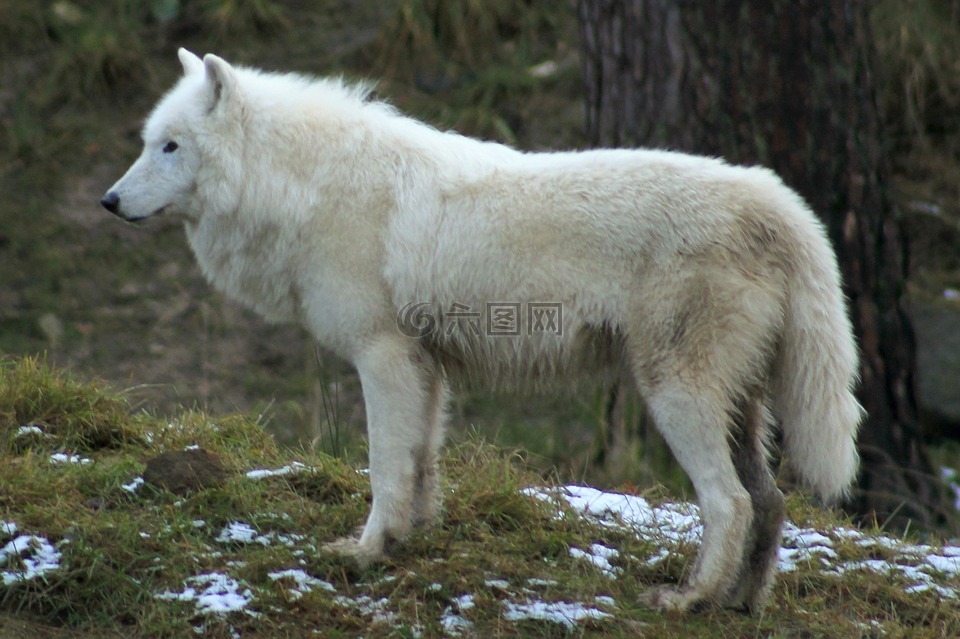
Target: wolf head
{"x":178,"y":141}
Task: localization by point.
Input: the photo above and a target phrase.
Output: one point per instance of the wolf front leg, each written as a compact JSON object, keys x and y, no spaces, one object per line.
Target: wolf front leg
{"x":397,"y":383}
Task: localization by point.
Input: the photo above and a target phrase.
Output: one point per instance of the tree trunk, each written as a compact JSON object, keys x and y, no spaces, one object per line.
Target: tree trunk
{"x":786,"y":84}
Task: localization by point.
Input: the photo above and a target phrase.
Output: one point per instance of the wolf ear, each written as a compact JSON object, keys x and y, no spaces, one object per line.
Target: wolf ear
{"x":191,"y":63}
{"x":221,"y":79}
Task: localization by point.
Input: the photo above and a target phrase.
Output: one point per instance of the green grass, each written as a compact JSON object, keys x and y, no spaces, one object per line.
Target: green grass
{"x":127,"y":557}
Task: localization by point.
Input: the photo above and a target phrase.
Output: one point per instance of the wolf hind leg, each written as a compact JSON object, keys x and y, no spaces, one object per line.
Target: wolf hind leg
{"x":695,"y":426}
{"x":750,"y":458}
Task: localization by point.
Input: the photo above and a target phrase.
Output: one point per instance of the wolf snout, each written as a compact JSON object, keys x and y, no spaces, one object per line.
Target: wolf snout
{"x":111,"y":202}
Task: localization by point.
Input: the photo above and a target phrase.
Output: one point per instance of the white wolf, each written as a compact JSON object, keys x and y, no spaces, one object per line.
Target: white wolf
{"x":424,"y":256}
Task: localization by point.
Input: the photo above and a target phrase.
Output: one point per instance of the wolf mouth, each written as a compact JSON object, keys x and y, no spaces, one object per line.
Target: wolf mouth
{"x":142,"y":218}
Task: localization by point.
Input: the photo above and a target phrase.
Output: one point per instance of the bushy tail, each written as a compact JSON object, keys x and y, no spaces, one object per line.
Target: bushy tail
{"x":817,"y":368}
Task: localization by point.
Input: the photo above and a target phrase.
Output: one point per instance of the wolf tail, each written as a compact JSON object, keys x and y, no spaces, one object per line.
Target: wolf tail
{"x":816,"y":370}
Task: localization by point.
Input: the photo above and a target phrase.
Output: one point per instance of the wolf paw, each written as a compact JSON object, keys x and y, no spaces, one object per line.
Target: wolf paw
{"x":666,"y":598}
{"x":747,"y":603}
{"x":350,"y":547}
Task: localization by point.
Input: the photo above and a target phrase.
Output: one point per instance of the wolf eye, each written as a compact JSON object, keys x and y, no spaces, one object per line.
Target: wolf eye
{"x":170,"y":147}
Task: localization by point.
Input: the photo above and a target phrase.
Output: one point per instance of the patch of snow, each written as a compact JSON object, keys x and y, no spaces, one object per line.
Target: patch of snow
{"x":916,"y":564}
{"x":600,"y":556}
{"x":847,"y":533}
{"x":561,"y":612}
{"x":305,"y":582}
{"x":541,"y":582}
{"x":454,"y":625}
{"x":25,"y":557}
{"x":673,"y":523}
{"x":133,"y":486}
{"x":464,"y":602}
{"x":213,"y":593}
{"x":377,"y":609}
{"x":801,"y":545}
{"x":295,"y":467}
{"x":65,"y":458}
{"x":452,"y":622}
{"x":240,"y":532}
{"x":244,"y":533}
{"x":665,"y":527}
{"x":882,"y":541}
{"x":502,"y":584}
{"x":668,"y":526}
{"x":29,"y":430}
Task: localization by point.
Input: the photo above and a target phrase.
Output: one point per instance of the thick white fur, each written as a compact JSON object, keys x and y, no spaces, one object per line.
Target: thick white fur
{"x":712,"y":286}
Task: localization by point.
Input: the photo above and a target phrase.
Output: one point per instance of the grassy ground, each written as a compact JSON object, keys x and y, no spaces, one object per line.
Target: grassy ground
{"x":88,"y":550}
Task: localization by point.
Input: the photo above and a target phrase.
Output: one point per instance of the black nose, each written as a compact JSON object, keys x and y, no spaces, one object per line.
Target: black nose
{"x":111,"y":202}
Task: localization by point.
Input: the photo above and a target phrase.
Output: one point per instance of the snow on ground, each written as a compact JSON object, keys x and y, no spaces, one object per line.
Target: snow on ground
{"x":213,"y":593}
{"x":561,"y":612}
{"x":30,"y":430}
{"x":24,"y":557}
{"x":134,"y":485}
{"x":667,"y":527}
{"x":452,"y":621}
{"x":243,"y":533}
{"x":671,"y":522}
{"x":304,"y":582}
{"x":600,"y":556}
{"x":66,"y":458}
{"x":293,"y":468}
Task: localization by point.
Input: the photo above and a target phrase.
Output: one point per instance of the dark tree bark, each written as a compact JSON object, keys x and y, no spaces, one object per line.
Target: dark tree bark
{"x":786,"y":84}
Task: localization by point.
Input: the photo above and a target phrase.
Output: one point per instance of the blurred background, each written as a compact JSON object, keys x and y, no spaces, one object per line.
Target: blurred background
{"x":128,"y":304}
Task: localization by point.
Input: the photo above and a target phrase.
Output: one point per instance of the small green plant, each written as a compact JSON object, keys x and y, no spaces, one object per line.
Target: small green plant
{"x":330,"y":435}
